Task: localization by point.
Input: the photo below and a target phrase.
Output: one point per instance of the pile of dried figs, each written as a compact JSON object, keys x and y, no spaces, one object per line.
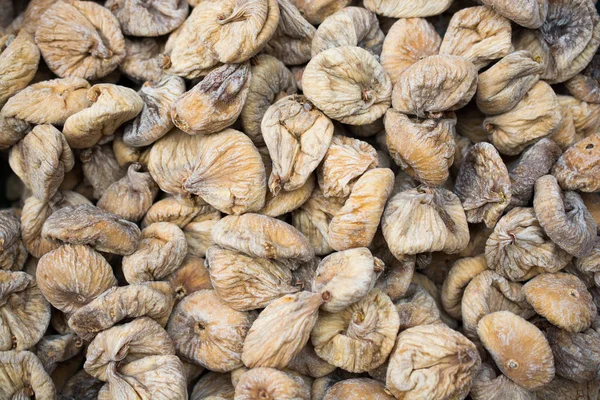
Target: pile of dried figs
{"x":300,"y":199}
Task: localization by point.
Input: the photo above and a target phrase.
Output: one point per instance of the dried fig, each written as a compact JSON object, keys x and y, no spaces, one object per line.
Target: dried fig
{"x":462,"y":273}
{"x":190,"y":277}
{"x":585,"y":85}
{"x":198,"y":232}
{"x":148,"y":18}
{"x":577,"y":168}
{"x":308,"y":363}
{"x":55,"y":349}
{"x":142,"y":61}
{"x":293,"y":37}
{"x":489,"y":385}
{"x":22,"y":376}
{"x":19,"y":59}
{"x":269,"y":383}
{"x":403,"y":9}
{"x":12,"y":251}
{"x":100,"y":169}
{"x":576,"y":355}
{"x":358,"y":388}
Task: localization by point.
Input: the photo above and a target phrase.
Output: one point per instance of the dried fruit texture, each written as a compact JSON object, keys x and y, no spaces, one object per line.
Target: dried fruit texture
{"x":483,"y":185}
{"x":152,"y":299}
{"x":396,"y":277}
{"x":488,"y":292}
{"x":72,"y":276}
{"x":281,"y":330}
{"x":563,"y":300}
{"x":161,"y":250}
{"x":22,"y":376}
{"x":198,"y":233}
{"x":519,"y":349}
{"x":156,"y":377}
{"x":215,"y":103}
{"x":424,"y":149}
{"x":308,"y":363}
{"x":403,"y":9}
{"x":479,"y":34}
{"x":534,"y":163}
{"x":489,"y":385}
{"x":504,"y":85}
{"x":408,"y":41}
{"x":564,"y":217}
{"x":48,"y":102}
{"x":528,"y":13}
{"x":286,"y":202}
{"x":442,"y":222}
{"x":462,"y":273}
{"x":208,"y":167}
{"x":298,"y":137}
{"x":153,"y":18}
{"x":590,"y":264}
{"x":80,"y":39}
{"x":112,"y":105}
{"x":358,"y":388}
{"x":585,"y":116}
{"x":315,"y":11}
{"x":417,"y":307}
{"x":125,"y":343}
{"x":190,"y":277}
{"x":86,"y":224}
{"x":11,"y":131}
{"x":171,"y":210}
{"x":470,"y":123}
{"x":561,"y":388}
{"x":82,"y":385}
{"x":576,"y":355}
{"x":142,"y":61}
{"x":127,"y":155}
{"x":24,"y":312}
{"x":577,"y":168}
{"x":100,"y":168}
{"x":585,"y":85}
{"x":292,"y":39}
{"x":213,"y":385}
{"x":261,"y":236}
{"x":221,"y":32}
{"x":356,"y":223}
{"x":347,"y":276}
{"x":55,"y":349}
{"x":519,"y":248}
{"x":360,"y":27}
{"x":154,"y":121}
{"x":12,"y":251}
{"x":33,"y":13}
{"x":248,"y":283}
{"x":269,"y":383}
{"x":207,"y":332}
{"x":271,"y":81}
{"x":433,"y":362}
{"x":19,"y":59}
{"x":360,"y":337}
{"x":355,"y":96}
{"x":345,"y":161}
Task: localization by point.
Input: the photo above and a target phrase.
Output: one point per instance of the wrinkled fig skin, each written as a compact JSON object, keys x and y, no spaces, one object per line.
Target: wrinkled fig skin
{"x":149,"y":18}
{"x":292,"y":40}
{"x":22,"y":376}
{"x":462,"y":272}
{"x":407,"y":9}
{"x":18,"y":63}
{"x":12,"y":251}
{"x":359,"y":388}
{"x":269,"y":383}
{"x":579,"y":166}
{"x":54,"y":349}
{"x":585,"y":86}
{"x":213,"y":384}
{"x":528,"y":13}
{"x":576,"y":355}
{"x":490,"y":385}
{"x":100,"y":168}
{"x":11,"y":131}
{"x":142,"y":60}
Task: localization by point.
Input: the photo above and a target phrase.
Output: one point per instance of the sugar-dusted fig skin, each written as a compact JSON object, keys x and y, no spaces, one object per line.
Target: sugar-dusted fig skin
{"x":215,"y":103}
{"x":281,"y":330}
{"x":519,"y":349}
{"x":22,"y":375}
{"x":432,"y":361}
{"x":153,"y":18}
{"x":402,"y":9}
{"x":358,"y":388}
{"x":366,"y":90}
{"x":577,"y":168}
{"x":80,"y":39}
{"x":269,"y":383}
{"x":19,"y":59}
{"x":564,"y":217}
{"x":462,"y":272}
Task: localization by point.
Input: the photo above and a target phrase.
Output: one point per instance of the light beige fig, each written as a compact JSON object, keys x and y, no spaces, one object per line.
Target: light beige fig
{"x":100,"y":169}
{"x":584,"y":86}
{"x":270,"y":383}
{"x":285,"y":202}
{"x":358,"y":388}
{"x":463,"y":271}
{"x":142,"y":61}
{"x":403,"y":9}
{"x":528,"y":13}
{"x":19,"y":59}
{"x":490,"y":385}
{"x":22,"y":375}
{"x":12,"y":251}
{"x":198,"y":232}
{"x":148,"y":19}
{"x":315,"y":11}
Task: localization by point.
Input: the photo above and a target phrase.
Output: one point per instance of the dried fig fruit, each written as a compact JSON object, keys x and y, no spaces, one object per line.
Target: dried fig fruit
{"x":72,"y":276}
{"x":177,"y":212}
{"x":269,"y":383}
{"x":41,"y":160}
{"x":247,"y":283}
{"x":519,"y":349}
{"x":360,"y":337}
{"x":154,"y":121}
{"x":220,"y":32}
{"x":161,"y":250}
{"x":562,"y":299}
{"x":360,"y":27}
{"x":281,"y":330}
{"x":308,"y":363}
{"x":536,"y":116}
{"x":444,"y":226}
{"x":345,"y":161}
{"x":153,"y":299}
{"x":504,"y":85}
{"x":408,"y":41}
{"x":112,"y":106}
{"x":297,"y":136}
{"x":589,"y":265}
{"x":489,"y":385}
{"x":470,"y":123}
{"x":585,"y":116}
{"x":12,"y":251}
{"x":435,"y":84}
{"x":271,"y":81}
{"x":48,"y":102}
{"x":564,"y":217}
{"x":462,"y":273}
{"x":11,"y":131}
{"x":479,"y":34}
{"x":83,"y":386}
{"x":366,"y":88}
{"x":585,"y":85}
{"x":33,"y":13}
{"x":190,"y":277}
{"x":19,"y":59}
{"x":213,"y":385}
{"x":534,"y":163}
{"x":261,"y":236}
{"x":286,"y":202}
{"x":142,"y":61}
{"x":80,"y":39}
{"x":424,"y":149}
{"x":576,"y":355}
{"x":403,"y":9}
{"x":315,"y":11}
{"x":153,"y":18}
{"x":528,"y":13}
{"x":24,"y":312}
{"x":432,"y":361}
{"x":22,"y":376}
{"x":395,"y":279}
{"x":483,"y":185}
{"x":207,"y":332}
{"x":355,"y":224}
{"x":215,"y":103}
{"x":86,"y":224}
{"x":358,"y":388}
{"x":519,"y":248}
{"x":198,"y":233}
{"x":417,"y":307}
{"x":54,"y":349}
{"x":100,"y":168}
{"x":577,"y":168}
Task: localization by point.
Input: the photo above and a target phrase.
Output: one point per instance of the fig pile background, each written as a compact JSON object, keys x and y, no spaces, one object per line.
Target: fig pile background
{"x":299,"y":199}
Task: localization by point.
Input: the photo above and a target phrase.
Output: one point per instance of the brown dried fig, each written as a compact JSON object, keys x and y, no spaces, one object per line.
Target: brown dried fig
{"x":576,"y":355}
{"x":19,"y":59}
{"x":585,"y":85}
{"x":190,"y":277}
{"x":285,"y":202}
{"x":55,"y":349}
{"x":213,"y":385}
{"x":171,"y":210}
{"x":417,"y":307}
{"x":528,"y":13}
{"x":308,"y":363}
{"x":149,"y":18}
{"x":11,"y":131}
{"x":577,"y":168}
{"x":100,"y":169}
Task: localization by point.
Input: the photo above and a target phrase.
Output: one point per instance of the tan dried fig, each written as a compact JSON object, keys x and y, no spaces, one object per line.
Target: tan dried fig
{"x":286,"y":202}
{"x":190,"y":277}
{"x":395,"y":279}
{"x":22,"y":376}
{"x":11,"y":131}
{"x":490,"y":385}
{"x":269,"y":383}
{"x":576,"y":355}
{"x":308,"y":363}
{"x":19,"y":59}
{"x":12,"y":251}
{"x":577,"y":168}
{"x":528,"y":13}
{"x":154,"y":18}
{"x":100,"y":169}
{"x":463,"y":271}
{"x":315,"y":11}
{"x":403,"y":9}
{"x":213,"y":385}
{"x":55,"y":349}
{"x":358,"y":388}
{"x":198,"y":232}
{"x":585,"y":86}
{"x":417,"y":307}
{"x":142,"y":60}
{"x":177,"y":212}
